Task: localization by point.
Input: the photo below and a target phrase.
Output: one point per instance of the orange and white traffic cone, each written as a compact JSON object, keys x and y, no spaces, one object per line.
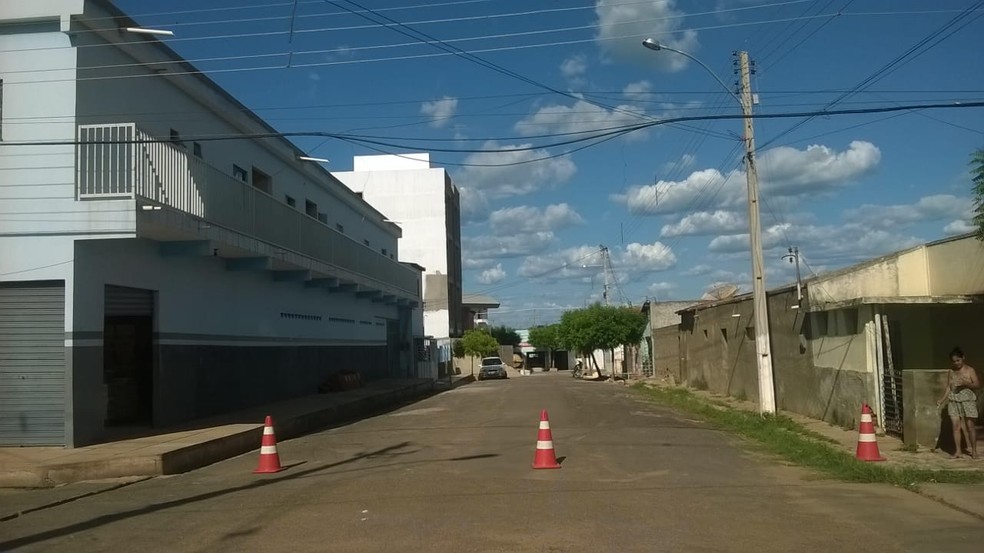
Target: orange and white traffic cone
{"x":269,"y":458}
{"x":867,"y":443}
{"x":545,"y":457}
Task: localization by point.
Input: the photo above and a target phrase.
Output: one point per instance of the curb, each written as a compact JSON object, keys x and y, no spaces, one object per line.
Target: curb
{"x":206,"y":453}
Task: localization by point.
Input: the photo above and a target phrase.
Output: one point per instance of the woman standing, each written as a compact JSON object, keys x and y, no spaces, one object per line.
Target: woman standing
{"x":961,"y":401}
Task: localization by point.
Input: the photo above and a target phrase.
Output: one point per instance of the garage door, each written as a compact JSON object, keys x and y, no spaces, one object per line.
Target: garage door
{"x":32,"y":363}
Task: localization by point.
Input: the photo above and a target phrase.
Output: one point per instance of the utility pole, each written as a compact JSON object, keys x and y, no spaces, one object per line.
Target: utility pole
{"x":605,"y":266}
{"x":794,"y":257}
{"x":763,"y":350}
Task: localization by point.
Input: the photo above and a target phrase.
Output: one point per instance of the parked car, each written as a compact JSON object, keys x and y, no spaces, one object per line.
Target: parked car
{"x":492,"y":367}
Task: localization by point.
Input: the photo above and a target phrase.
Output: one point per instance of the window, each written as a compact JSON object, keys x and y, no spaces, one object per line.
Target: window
{"x":323,"y":217}
{"x":383,"y":250}
{"x":366,"y":242}
{"x":724,"y":334}
{"x":340,"y":228}
{"x":240,"y":173}
{"x":196,"y":149}
{"x":176,"y":138}
{"x":311,"y":208}
{"x":359,"y":194}
{"x":290,"y":201}
{"x":262,"y":181}
{"x":750,"y":333}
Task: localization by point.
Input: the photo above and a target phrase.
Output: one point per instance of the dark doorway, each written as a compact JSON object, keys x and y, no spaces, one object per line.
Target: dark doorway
{"x":392,"y":348}
{"x":128,"y":369}
{"x":128,"y":356}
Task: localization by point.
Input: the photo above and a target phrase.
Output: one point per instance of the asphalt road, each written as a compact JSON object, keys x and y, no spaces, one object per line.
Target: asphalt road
{"x":452,"y":474}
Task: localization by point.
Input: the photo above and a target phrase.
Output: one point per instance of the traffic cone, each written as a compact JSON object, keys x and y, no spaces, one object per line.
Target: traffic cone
{"x":867,"y":443}
{"x":269,"y":458}
{"x":545,"y":458}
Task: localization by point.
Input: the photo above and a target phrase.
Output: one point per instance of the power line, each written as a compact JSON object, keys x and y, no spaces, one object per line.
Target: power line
{"x":911,"y":53}
{"x":287,"y":54}
{"x":619,"y":131}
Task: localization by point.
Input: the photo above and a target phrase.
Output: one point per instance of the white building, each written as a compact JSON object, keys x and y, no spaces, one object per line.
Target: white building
{"x":424,"y":202}
{"x":149,"y":275}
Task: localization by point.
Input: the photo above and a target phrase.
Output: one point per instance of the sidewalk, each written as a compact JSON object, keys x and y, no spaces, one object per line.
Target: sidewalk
{"x":200,"y":442}
{"x":968,"y":498}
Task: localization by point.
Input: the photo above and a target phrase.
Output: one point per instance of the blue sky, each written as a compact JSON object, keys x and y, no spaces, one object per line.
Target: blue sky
{"x":668,"y":201}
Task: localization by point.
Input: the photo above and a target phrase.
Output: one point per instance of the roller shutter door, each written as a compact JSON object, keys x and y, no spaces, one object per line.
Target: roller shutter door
{"x":32,"y":363}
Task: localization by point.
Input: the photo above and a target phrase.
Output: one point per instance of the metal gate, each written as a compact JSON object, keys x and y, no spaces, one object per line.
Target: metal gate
{"x":892,"y":376}
{"x":122,"y":301}
{"x":32,"y":363}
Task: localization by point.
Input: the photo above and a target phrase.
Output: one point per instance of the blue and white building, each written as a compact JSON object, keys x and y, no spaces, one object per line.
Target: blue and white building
{"x":150,"y":275}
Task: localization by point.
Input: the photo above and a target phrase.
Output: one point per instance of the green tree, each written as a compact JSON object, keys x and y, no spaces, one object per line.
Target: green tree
{"x":505,"y":335}
{"x":548,"y":338}
{"x":478,"y":343}
{"x":600,"y":327}
{"x":977,"y":177}
{"x":458,"y":349}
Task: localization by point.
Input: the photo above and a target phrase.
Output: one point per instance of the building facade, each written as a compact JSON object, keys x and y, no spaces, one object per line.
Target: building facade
{"x":150,"y":275}
{"x":878,"y":332}
{"x":425,"y":203}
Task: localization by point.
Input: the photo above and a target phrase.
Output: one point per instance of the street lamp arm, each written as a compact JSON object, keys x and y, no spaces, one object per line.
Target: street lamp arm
{"x":656,"y":46}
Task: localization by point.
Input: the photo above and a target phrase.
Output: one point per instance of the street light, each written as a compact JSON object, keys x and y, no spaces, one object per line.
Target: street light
{"x":146,"y":31}
{"x":312,"y":159}
{"x":763,"y":350}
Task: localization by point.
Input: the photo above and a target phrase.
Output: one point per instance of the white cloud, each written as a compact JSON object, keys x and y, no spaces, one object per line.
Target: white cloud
{"x":644,"y":258}
{"x":788,"y":171}
{"x":675,"y":196}
{"x":440,"y":111}
{"x":927,"y":208}
{"x":704,"y":223}
{"x":584,"y":262}
{"x":697,"y":270}
{"x":581,"y":117}
{"x":492,"y":275}
{"x":526,"y":219}
{"x":657,"y":19}
{"x":959,"y":227}
{"x":574,"y":67}
{"x":469,"y":263}
{"x":771,"y":237}
{"x":657,"y":287}
{"x":566,"y":263}
{"x":782,"y":172}
{"x":508,"y":171}
{"x":685,"y":162}
{"x":638,"y":91}
{"x":474,"y":204}
{"x":491,"y":246}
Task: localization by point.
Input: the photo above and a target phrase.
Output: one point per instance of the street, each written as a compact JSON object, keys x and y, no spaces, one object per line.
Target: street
{"x":452,"y":473}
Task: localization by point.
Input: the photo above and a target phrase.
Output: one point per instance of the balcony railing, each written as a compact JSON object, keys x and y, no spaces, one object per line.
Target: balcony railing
{"x":121,"y":161}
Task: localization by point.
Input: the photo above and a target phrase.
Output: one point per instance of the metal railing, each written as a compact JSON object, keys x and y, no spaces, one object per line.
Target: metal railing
{"x":120,"y":161}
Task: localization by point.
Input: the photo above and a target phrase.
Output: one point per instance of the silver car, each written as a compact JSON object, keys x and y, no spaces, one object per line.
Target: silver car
{"x":492,"y":367}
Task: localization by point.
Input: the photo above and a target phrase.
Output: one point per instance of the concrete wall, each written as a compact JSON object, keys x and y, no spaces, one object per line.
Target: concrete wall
{"x":666,"y":359}
{"x":37,"y":187}
{"x":425,"y":203}
{"x":921,"y":418}
{"x":158,"y":103}
{"x":817,"y":372}
{"x":720,"y":356}
{"x":948,"y":267}
{"x":956,"y":267}
{"x":216,"y":351}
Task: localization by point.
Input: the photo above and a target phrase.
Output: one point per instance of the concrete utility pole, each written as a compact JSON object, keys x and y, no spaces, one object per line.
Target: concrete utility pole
{"x":763,"y":350}
{"x":605,"y":267}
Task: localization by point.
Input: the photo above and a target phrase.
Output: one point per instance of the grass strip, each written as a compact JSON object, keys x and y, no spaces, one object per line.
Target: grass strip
{"x":789,"y":440}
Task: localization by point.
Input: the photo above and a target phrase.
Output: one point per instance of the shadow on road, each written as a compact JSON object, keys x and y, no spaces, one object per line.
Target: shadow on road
{"x":386,"y":452}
